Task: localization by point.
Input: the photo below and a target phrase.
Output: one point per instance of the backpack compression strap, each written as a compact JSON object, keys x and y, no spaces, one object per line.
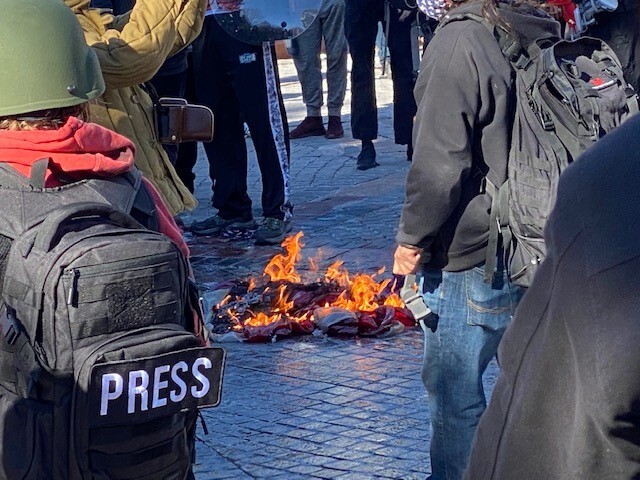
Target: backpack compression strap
{"x":416,"y":304}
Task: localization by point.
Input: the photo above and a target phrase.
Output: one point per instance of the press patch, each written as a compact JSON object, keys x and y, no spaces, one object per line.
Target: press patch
{"x":248,"y":58}
{"x":155,"y":386}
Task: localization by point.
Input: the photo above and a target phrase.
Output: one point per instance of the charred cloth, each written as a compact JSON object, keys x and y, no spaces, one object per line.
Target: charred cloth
{"x":281,"y":304}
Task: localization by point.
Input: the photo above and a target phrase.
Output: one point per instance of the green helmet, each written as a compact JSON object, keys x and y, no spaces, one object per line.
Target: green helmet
{"x":45,"y":60}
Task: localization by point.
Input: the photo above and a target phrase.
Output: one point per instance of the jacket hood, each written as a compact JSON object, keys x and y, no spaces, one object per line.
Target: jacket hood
{"x":77,"y":150}
{"x":529,"y":23}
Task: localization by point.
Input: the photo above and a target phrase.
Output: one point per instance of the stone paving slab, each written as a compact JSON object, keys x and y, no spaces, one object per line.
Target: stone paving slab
{"x":316,"y":407}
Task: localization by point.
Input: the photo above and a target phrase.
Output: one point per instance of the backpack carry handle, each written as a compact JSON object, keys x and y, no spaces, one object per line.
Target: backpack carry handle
{"x":51,"y":225}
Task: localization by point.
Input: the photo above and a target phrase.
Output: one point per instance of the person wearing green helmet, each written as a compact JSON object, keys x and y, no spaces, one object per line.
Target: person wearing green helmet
{"x":48,"y":83}
{"x":130,"y":49}
{"x":49,"y":150}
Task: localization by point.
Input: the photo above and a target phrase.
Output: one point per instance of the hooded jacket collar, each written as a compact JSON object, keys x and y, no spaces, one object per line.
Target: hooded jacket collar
{"x":529,"y":23}
{"x":78,"y":150}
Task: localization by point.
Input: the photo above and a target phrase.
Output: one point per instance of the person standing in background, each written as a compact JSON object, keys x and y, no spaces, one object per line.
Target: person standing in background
{"x":305,"y":51}
{"x":239,"y":82}
{"x":361,"y":27}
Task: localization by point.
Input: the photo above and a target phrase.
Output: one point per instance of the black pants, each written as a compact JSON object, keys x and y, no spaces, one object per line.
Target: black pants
{"x":361,"y":28}
{"x":230,"y":79}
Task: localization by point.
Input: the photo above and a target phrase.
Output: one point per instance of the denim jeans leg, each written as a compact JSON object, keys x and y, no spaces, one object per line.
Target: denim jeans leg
{"x":472,"y":318}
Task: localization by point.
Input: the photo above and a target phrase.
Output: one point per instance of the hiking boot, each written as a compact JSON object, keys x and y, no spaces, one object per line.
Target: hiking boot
{"x":216,"y":224}
{"x":367,"y":157}
{"x":310,"y":127}
{"x":272,"y":231}
{"x":334,"y":128}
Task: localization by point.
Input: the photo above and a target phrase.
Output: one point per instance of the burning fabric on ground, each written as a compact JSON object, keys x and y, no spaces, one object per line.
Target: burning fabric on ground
{"x":281,"y":304}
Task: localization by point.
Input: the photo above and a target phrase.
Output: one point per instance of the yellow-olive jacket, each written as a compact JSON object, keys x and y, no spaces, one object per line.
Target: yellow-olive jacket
{"x":131,"y":48}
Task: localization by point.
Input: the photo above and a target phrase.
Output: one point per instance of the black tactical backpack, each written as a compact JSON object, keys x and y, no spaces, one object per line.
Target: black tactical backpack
{"x":568,"y":95}
{"x":100,"y":373}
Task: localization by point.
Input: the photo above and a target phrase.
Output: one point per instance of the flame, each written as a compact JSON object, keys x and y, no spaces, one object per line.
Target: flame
{"x":338,"y":274}
{"x":281,"y":304}
{"x":262,"y":319}
{"x":283,"y":267}
{"x":360,"y":293}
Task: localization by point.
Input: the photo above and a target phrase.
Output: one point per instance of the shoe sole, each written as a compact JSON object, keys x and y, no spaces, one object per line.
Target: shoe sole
{"x":232,"y":226}
{"x":333,"y":136}
{"x":368,"y":166}
{"x":314,"y":134}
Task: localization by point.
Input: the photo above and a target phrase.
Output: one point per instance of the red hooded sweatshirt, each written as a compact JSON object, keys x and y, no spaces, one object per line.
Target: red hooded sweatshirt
{"x":80,"y":150}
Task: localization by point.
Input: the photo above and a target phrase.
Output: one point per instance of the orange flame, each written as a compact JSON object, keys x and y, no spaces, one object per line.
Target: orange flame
{"x":283,"y":267}
{"x":360,"y":293}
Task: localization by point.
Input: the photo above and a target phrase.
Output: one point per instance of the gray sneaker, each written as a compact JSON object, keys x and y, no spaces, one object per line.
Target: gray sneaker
{"x":216,"y":224}
{"x":272,"y":231}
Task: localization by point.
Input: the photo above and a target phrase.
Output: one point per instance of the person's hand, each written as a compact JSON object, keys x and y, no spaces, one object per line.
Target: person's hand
{"x":406,"y":260}
{"x":404,"y":14}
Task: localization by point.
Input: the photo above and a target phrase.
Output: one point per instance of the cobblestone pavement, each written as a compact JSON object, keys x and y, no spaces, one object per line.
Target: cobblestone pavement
{"x":315,"y":407}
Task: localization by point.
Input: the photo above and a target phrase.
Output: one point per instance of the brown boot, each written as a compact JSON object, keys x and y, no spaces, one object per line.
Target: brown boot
{"x":309,"y":127}
{"x":334,"y":128}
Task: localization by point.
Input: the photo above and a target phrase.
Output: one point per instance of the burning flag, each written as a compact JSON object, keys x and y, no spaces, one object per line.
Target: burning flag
{"x":280,"y":304}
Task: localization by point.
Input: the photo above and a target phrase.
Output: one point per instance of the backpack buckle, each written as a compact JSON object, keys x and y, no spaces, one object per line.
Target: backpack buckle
{"x":10,"y":326}
{"x":545,"y":120}
{"x":11,"y":337}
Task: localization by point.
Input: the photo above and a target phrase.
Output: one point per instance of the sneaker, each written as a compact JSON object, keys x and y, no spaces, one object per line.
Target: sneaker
{"x":272,"y":231}
{"x":310,"y":127}
{"x":367,"y":157}
{"x":216,"y":224}
{"x":334,"y":128}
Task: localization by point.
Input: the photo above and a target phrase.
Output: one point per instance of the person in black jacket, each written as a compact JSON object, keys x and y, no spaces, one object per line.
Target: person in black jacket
{"x":461,"y":134}
{"x":361,"y":27}
{"x":567,"y":403}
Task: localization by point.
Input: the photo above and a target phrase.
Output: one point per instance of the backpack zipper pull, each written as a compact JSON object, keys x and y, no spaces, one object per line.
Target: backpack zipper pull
{"x":73,"y":289}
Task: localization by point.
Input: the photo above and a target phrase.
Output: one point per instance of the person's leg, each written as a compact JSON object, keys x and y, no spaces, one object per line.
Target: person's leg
{"x":336,"y":48}
{"x":306,"y":57}
{"x":305,"y":51}
{"x":404,"y":103}
{"x":215,"y":57}
{"x":472,"y":318}
{"x":263,"y":110}
{"x":361,"y":26}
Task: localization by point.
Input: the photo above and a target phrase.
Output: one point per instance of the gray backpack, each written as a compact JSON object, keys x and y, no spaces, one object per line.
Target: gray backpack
{"x":100,"y":373}
{"x":568,"y":95}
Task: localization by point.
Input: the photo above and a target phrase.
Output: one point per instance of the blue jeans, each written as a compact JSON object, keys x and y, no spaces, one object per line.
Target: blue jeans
{"x":473,"y":315}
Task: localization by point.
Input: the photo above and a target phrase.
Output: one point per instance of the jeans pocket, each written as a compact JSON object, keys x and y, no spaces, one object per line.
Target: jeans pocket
{"x":487,"y":306}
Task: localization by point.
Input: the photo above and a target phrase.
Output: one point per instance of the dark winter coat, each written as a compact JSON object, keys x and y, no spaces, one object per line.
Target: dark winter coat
{"x":567,"y":403}
{"x":462,"y":130}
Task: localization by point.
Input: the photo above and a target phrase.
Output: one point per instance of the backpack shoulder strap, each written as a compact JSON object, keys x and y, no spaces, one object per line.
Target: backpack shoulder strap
{"x":9,"y":177}
{"x":128,"y":193}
